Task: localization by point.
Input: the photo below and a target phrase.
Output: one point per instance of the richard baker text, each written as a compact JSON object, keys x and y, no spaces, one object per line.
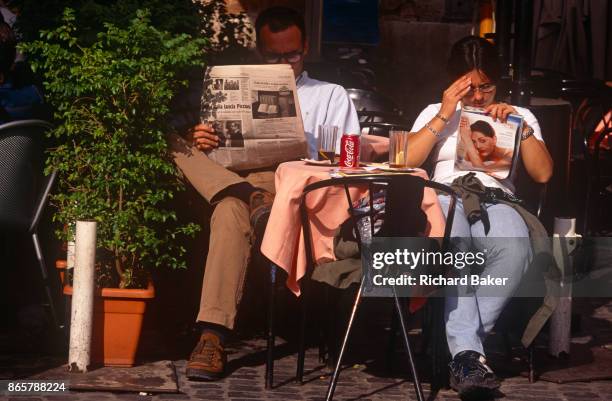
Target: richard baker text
{"x":439,"y":280}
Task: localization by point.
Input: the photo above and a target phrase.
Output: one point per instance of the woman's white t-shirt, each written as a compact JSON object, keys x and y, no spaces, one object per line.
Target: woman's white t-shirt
{"x":443,"y":152}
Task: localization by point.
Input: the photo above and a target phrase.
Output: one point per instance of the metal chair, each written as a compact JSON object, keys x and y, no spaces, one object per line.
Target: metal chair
{"x":366,"y":100}
{"x":382,"y":128}
{"x":23,"y":188}
{"x":380,"y":116}
{"x":377,"y":113}
{"x":395,"y":205}
{"x":596,"y":112}
{"x":533,"y":196}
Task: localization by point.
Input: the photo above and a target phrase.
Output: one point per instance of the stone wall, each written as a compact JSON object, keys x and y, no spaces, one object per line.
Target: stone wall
{"x":416,"y":36}
{"x":427,"y":10}
{"x":252,"y":7}
{"x":414,"y":56}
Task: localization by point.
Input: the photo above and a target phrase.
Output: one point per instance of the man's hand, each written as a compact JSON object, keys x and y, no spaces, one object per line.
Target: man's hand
{"x":203,"y":137}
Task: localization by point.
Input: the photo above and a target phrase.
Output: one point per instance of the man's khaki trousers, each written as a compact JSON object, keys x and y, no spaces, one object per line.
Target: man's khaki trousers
{"x":229,"y":248}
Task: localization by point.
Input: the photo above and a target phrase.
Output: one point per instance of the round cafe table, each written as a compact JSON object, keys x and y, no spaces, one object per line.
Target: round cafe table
{"x":283,"y":242}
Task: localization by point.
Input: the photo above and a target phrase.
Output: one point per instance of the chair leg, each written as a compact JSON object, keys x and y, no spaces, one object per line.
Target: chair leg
{"x":324,"y":332}
{"x":299,"y":374}
{"x":392,"y":341}
{"x":507,"y":345}
{"x":45,"y":277}
{"x":271,"y":335}
{"x":335,"y":308}
{"x":334,"y":378}
{"x":439,"y":346}
{"x":587,"y":207}
{"x":415,"y":376}
{"x":531,"y":364}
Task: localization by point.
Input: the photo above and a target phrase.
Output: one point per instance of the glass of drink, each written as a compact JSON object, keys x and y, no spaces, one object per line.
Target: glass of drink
{"x":328,"y":137}
{"x":398,"y":149}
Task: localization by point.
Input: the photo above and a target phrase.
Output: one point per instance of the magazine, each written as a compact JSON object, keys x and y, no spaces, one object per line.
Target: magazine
{"x":367,"y":170}
{"x":487,"y":145}
{"x":255,"y":112}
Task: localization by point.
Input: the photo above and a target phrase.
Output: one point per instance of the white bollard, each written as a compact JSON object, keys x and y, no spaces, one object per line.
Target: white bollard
{"x":561,"y":319}
{"x":82,"y":297}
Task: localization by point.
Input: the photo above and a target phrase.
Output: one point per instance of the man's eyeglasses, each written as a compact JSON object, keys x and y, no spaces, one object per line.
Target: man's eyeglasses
{"x":484,"y":88}
{"x":291,"y":57}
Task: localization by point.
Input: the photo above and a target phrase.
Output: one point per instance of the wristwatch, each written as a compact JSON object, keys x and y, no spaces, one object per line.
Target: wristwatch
{"x":527,"y":132}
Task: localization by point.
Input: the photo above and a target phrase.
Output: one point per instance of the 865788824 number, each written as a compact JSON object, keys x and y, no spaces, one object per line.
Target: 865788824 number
{"x":23,"y":387}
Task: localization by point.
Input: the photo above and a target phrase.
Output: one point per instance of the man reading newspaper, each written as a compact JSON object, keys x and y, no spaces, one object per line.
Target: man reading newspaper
{"x":255,"y":115}
{"x":242,"y":201}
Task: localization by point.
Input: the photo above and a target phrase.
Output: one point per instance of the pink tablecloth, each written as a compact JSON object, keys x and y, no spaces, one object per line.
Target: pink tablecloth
{"x":283,"y":242}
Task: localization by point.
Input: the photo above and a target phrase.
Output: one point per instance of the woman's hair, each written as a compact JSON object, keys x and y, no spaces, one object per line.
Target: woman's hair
{"x":484,"y":128}
{"x":474,"y":53}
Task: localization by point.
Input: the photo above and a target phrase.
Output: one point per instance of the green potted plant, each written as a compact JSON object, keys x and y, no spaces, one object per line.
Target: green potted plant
{"x":111,"y":98}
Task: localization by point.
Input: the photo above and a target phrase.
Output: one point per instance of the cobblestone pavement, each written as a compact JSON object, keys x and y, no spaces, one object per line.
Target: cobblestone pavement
{"x":357,"y":382}
{"x":365,"y":376}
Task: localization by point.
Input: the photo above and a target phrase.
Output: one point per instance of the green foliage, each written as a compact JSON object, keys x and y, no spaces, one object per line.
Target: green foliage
{"x":228,"y":31}
{"x":112,"y":102}
{"x":229,"y":35}
{"x":176,"y":16}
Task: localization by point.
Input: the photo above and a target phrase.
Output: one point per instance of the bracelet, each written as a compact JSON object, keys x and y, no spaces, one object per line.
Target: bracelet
{"x":526,"y":133}
{"x":432,"y":130}
{"x":441,"y":117}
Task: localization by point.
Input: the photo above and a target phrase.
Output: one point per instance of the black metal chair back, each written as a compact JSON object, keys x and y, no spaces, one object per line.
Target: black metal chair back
{"x":377,"y":113}
{"x":403,"y":217}
{"x":380,"y":128}
{"x":373,"y":183}
{"x":366,"y":100}
{"x":21,"y":181}
{"x":23,"y":187}
{"x":594,"y":113}
{"x":532,"y":194}
{"x":377,"y":116}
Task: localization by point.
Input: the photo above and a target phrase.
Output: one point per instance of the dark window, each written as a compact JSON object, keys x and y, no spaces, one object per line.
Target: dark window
{"x":350,"y":21}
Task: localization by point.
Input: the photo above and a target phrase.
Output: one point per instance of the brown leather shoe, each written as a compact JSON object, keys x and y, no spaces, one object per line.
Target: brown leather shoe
{"x":208,"y":359}
{"x":260,"y":204}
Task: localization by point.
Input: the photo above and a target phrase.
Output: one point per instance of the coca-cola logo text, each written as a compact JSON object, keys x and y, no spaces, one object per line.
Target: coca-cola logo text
{"x":349,"y":147}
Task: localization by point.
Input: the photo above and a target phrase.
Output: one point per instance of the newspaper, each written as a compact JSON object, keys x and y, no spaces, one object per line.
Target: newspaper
{"x":487,"y":145}
{"x":254,"y":110}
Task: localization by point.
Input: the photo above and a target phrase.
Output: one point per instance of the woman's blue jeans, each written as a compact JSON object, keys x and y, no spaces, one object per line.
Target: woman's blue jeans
{"x":471,"y":315}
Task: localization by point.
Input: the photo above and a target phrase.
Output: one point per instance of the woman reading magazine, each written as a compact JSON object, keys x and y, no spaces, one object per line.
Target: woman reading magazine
{"x":474,"y":71}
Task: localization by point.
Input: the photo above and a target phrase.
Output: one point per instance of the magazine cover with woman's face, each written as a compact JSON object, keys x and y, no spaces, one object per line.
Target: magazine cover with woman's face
{"x":487,"y":145}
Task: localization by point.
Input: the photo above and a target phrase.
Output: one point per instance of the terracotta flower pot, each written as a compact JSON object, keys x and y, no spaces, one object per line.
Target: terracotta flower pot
{"x":118,"y":316}
{"x":61,"y":266}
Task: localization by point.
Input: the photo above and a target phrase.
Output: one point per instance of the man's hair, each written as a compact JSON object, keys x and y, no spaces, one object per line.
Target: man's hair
{"x":8,"y":51}
{"x":484,"y":128}
{"x":474,"y":53}
{"x":279,"y":19}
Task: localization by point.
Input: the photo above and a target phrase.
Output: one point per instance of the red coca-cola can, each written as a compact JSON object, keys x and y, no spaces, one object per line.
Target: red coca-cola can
{"x":349,"y":150}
